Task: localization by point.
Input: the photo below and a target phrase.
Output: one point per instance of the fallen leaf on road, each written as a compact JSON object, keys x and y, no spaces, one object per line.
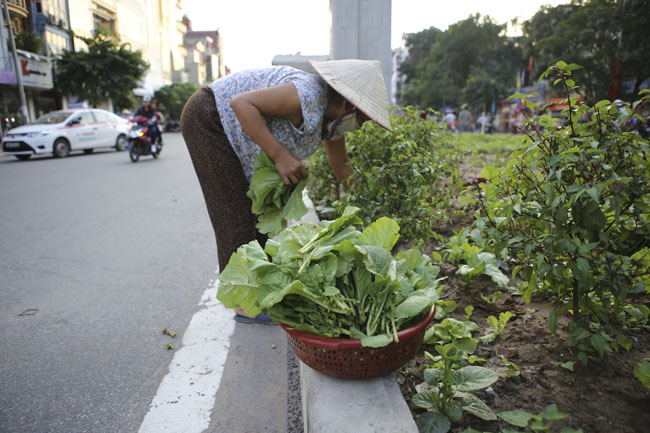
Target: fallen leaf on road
{"x":169,"y":346}
{"x":168,"y":332}
{"x":273,"y":346}
{"x":29,"y":312}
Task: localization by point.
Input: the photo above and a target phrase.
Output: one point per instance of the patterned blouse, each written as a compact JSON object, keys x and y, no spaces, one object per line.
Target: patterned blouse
{"x":301,"y":142}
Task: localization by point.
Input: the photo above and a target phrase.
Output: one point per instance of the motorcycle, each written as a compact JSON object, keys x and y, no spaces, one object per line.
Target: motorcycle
{"x":139,"y":142}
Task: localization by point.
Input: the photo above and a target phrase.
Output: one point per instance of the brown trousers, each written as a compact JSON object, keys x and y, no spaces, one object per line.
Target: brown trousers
{"x":220,"y":174}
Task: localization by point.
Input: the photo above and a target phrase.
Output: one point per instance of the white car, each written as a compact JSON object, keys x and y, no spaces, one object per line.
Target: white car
{"x":63,"y":131}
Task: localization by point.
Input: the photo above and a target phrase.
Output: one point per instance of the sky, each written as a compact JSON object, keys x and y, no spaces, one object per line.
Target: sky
{"x":254,"y":31}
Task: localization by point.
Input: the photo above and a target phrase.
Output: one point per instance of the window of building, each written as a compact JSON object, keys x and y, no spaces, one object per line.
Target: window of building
{"x":56,"y":42}
{"x":104,"y":19}
{"x":54,"y":10}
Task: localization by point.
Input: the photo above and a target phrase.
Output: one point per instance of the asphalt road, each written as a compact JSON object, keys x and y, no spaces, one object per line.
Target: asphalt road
{"x":98,"y":256}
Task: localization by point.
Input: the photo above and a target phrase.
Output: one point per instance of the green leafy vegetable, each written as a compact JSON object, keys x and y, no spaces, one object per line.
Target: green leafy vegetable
{"x":333,"y":280}
{"x":274,"y":203}
{"x":642,"y":372}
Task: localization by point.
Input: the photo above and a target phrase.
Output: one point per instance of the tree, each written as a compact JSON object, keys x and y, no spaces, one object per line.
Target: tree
{"x":609,"y":38}
{"x":28,"y":41}
{"x":481,"y":89}
{"x":473,"y":48}
{"x":635,"y":42}
{"x":171,"y":99}
{"x":108,"y":70}
{"x":419,"y":44}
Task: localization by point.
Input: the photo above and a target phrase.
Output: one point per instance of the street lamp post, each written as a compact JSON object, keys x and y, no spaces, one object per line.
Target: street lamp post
{"x":19,"y":78}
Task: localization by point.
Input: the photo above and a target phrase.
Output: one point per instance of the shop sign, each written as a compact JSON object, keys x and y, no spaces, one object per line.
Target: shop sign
{"x":533,"y":93}
{"x":7,"y":77}
{"x":35,"y":71}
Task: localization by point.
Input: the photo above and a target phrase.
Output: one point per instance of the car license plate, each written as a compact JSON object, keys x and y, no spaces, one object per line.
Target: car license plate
{"x":10,"y":144}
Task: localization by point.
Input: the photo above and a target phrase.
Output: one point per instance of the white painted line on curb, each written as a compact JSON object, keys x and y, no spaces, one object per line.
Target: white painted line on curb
{"x":186,"y":395}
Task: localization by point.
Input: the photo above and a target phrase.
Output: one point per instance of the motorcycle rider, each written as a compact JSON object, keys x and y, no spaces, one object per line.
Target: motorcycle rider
{"x":148,"y":110}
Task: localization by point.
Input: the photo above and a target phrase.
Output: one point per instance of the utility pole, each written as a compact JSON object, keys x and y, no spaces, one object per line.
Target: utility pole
{"x":19,"y":77}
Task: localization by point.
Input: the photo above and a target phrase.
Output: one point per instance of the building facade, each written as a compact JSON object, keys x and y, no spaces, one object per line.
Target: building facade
{"x":204,"y":55}
{"x":154,"y":27}
{"x":40,"y":28}
{"x":28,"y":20}
{"x":398,"y":80}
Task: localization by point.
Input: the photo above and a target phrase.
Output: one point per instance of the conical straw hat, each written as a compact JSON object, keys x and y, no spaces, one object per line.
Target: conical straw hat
{"x":361,"y":82}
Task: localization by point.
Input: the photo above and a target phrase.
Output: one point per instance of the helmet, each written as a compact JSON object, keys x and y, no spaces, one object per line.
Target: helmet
{"x":146,"y":99}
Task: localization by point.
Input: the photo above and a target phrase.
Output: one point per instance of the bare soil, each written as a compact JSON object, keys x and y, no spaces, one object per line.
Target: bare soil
{"x":603,"y":397}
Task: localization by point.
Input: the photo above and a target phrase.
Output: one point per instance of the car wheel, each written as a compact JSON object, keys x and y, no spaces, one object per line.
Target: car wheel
{"x":120,"y":144}
{"x":61,"y":148}
{"x":88,"y":151}
{"x":134,"y":152}
{"x":23,"y":157}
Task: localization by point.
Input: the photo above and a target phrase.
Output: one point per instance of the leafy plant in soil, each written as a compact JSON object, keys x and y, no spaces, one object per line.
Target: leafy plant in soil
{"x":464,"y":249}
{"x":541,"y":422}
{"x":642,"y":372}
{"x":571,"y":213}
{"x":449,"y":380}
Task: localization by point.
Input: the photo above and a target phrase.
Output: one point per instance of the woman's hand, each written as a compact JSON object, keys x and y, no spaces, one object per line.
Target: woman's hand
{"x":275,"y":101}
{"x":290,"y":169}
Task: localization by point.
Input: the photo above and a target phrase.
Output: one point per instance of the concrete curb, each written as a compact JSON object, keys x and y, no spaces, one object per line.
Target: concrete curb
{"x":331,"y":405}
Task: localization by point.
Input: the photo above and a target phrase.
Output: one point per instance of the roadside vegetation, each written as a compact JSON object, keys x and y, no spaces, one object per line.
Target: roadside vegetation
{"x":544,"y":240}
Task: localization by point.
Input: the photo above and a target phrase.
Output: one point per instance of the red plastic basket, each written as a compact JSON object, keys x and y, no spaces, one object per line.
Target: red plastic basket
{"x":345,"y":358}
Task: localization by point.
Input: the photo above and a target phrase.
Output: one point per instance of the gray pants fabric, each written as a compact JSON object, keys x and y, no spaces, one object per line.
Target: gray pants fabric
{"x":220,"y":174}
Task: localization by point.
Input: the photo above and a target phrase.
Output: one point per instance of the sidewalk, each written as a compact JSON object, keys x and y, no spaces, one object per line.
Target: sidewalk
{"x":260,"y":387}
{"x":253,"y":393}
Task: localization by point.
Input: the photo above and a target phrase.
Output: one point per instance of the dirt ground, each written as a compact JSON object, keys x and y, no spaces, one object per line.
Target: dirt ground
{"x":603,"y":397}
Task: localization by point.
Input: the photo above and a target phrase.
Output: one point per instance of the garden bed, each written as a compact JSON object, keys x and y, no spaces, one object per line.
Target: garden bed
{"x":603,"y":397}
{"x":561,"y":216}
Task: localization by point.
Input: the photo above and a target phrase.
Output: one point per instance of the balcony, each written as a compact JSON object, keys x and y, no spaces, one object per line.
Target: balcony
{"x":18,"y":7}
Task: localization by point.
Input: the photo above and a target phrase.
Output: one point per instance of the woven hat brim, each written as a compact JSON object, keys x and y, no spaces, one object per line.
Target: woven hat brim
{"x":361,"y":82}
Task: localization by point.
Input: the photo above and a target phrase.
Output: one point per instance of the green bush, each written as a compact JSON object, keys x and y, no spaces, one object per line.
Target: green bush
{"x":171,"y":98}
{"x":409,"y":175}
{"x":28,"y":41}
{"x":571,"y":212}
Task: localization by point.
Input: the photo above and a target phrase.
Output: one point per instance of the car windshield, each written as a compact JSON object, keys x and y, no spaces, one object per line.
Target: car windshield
{"x":54,"y":117}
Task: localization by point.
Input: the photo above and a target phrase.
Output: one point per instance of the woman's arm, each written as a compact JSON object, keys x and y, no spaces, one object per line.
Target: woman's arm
{"x":337,"y":156}
{"x":276,"y":101}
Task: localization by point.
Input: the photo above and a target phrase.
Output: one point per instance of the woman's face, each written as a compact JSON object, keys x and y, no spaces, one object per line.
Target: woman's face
{"x":347,"y":118}
{"x":361,"y":118}
{"x":347,"y":107}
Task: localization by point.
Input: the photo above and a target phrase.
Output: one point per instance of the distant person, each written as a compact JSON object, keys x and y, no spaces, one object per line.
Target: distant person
{"x":496,"y":126}
{"x":450,"y":120}
{"x":505,"y":119}
{"x":148,"y":110}
{"x":464,"y":119}
{"x":483,"y":122}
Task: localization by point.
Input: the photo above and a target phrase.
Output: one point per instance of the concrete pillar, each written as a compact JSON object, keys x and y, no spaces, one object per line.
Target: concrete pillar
{"x":361,"y":29}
